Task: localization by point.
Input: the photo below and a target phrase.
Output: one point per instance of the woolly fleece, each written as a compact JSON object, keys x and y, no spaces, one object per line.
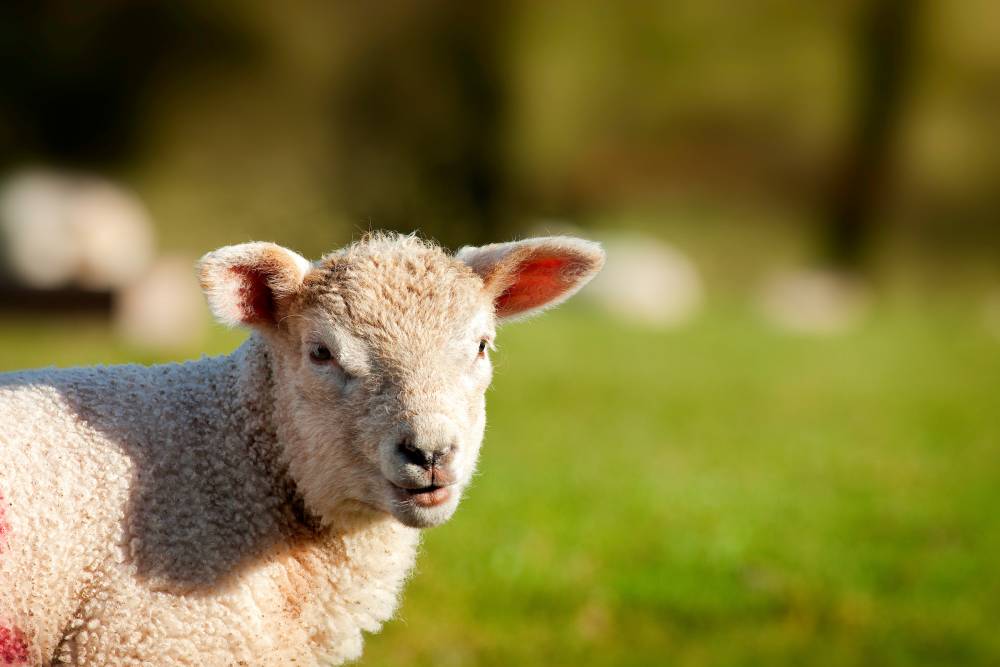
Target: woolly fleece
{"x":148,"y":523}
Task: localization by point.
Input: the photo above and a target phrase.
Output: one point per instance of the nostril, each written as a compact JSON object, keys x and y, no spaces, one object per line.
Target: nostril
{"x":442,"y":455}
{"x":413,"y":454}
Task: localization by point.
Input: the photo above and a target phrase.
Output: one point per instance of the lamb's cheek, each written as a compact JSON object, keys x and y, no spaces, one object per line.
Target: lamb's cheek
{"x":477,"y":415}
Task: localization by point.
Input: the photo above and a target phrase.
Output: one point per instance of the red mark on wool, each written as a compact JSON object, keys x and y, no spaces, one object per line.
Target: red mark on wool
{"x":13,"y":646}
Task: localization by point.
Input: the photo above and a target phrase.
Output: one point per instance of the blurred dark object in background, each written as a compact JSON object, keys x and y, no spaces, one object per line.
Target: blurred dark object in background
{"x":80,"y":80}
{"x":885,"y":46}
{"x":18,"y":300}
{"x":420,"y":116}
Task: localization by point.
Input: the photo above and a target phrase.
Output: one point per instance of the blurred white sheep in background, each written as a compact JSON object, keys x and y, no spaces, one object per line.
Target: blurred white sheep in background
{"x":62,"y":232}
{"x":164,"y":308}
{"x":648,"y":282}
{"x":814,"y":301}
{"x":37,"y":250}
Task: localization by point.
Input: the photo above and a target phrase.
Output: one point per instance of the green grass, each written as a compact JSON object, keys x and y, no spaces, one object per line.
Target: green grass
{"x":722,"y":494}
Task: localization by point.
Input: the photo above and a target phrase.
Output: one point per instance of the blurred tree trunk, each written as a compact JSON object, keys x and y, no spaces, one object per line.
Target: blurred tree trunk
{"x":884,"y":51}
{"x":419,"y":119}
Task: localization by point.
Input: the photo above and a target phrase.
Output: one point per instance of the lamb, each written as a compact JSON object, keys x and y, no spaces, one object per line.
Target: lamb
{"x":260,"y":508}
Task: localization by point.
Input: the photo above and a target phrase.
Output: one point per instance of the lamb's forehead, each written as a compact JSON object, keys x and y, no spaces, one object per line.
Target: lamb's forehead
{"x":396,"y":282}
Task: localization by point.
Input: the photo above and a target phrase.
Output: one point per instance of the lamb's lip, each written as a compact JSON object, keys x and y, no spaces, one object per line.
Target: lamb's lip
{"x":425,"y":496}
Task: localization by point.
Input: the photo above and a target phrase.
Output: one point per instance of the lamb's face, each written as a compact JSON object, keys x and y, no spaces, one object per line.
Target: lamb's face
{"x":387,"y":365}
{"x":381,"y":357}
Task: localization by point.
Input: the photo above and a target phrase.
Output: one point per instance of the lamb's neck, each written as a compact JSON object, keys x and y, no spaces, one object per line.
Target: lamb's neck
{"x":248,"y":408}
{"x":264,"y":419}
{"x":355,"y":559}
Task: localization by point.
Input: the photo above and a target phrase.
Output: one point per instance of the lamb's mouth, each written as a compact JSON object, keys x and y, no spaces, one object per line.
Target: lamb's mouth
{"x":425,"y":496}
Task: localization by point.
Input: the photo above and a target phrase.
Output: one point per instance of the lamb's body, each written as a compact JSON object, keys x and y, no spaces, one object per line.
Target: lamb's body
{"x":259,"y":508}
{"x":148,"y":519}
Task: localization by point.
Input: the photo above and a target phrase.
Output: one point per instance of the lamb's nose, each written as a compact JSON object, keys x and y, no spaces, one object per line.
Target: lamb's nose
{"x":425,"y":458}
{"x":413,"y":454}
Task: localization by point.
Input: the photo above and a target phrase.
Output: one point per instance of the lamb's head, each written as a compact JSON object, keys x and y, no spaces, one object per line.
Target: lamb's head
{"x":380,"y":356}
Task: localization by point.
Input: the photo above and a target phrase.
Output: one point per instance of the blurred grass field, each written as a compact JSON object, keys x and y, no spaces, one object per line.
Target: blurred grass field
{"x":724,"y":493}
{"x":719,"y":494}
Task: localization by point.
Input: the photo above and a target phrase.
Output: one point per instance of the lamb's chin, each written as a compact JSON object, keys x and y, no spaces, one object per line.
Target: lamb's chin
{"x":415,"y":516}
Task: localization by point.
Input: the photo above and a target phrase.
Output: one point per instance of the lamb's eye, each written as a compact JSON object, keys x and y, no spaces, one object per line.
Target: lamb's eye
{"x":482,"y":347}
{"x":320,"y":354}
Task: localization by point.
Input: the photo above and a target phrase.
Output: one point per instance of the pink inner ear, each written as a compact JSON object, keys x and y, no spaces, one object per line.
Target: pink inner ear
{"x":256,"y":300}
{"x":536,"y":283}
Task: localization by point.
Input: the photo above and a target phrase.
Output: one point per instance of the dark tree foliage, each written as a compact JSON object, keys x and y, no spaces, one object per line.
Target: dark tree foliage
{"x":419,"y":119}
{"x":76,"y":77}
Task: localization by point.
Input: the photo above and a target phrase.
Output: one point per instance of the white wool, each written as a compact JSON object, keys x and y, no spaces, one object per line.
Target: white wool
{"x":145,"y":523}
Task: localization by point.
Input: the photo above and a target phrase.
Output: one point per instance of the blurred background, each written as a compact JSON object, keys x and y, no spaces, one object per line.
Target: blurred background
{"x":769,"y":433}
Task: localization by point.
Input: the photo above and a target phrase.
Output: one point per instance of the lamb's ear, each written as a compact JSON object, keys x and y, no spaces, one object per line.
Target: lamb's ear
{"x":248,"y":283}
{"x":526,"y":277}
